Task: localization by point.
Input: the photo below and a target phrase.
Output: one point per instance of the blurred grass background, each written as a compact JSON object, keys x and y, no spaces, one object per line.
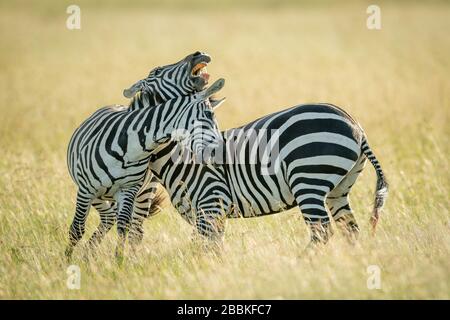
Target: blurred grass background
{"x":274,"y":54}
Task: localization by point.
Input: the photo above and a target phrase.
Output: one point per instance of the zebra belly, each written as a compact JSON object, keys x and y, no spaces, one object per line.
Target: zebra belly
{"x":106,"y":181}
{"x":256,"y":194}
{"x":255,"y":201}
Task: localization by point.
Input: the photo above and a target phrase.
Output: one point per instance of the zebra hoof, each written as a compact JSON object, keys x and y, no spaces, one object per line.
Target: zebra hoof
{"x":89,"y":255}
{"x":120,"y":258}
{"x":68,"y":253}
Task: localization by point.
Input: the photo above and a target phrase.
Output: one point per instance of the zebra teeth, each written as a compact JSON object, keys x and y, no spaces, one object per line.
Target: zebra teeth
{"x":199,"y":69}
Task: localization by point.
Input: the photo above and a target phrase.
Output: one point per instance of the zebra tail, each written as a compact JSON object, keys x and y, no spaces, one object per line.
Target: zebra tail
{"x":382,"y":186}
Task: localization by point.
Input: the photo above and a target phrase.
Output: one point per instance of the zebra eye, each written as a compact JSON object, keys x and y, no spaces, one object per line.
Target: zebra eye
{"x":208,"y":113}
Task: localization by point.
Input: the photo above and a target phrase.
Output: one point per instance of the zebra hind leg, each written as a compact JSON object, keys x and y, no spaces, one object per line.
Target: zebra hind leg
{"x":108,"y":216}
{"x":338,"y":202}
{"x":312,"y":206}
{"x":147,"y":204}
{"x":77,"y":228}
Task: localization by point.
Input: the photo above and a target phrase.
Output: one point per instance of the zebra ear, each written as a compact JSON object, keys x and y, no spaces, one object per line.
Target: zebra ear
{"x":214,"y":88}
{"x":131,"y":91}
{"x":216,"y":103}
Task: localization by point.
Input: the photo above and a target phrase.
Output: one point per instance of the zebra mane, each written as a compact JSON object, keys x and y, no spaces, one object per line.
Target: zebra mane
{"x":144,"y":99}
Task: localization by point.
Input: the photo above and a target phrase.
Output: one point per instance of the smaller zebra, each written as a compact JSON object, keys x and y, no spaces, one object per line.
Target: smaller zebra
{"x":108,"y":155}
{"x":187,"y":76}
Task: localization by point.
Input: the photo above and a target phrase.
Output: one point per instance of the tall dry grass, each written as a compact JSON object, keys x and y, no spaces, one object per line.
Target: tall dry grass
{"x":394,"y":81}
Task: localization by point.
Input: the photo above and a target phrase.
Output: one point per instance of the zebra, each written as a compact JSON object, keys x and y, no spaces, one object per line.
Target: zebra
{"x":229,"y":181}
{"x":108,"y":156}
{"x":187,"y":76}
{"x":321,"y":152}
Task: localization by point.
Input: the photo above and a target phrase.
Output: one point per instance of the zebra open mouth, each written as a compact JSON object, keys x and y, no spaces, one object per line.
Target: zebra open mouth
{"x":199,"y":70}
{"x":198,"y":74}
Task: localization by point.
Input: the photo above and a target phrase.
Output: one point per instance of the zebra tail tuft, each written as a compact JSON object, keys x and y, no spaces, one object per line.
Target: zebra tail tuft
{"x":382,"y":185}
{"x":381,"y":192}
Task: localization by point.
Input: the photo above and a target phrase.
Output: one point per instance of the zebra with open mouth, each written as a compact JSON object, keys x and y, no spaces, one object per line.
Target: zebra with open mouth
{"x":108,"y":155}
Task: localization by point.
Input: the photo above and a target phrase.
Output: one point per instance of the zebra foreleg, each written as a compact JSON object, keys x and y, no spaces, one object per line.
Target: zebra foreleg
{"x":108,"y":217}
{"x":125,"y":202}
{"x":77,"y":228}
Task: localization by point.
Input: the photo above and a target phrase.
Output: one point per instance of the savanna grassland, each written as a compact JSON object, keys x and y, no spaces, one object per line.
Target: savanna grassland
{"x":394,"y":81}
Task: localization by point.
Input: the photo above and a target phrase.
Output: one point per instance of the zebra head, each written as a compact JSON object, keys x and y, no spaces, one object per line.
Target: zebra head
{"x":185,"y":77}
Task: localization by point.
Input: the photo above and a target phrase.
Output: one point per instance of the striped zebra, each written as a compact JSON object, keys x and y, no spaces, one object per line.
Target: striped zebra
{"x":185,"y":77}
{"x":240,"y":190}
{"x":182,"y":78}
{"x":320,"y":152}
{"x":109,"y":154}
